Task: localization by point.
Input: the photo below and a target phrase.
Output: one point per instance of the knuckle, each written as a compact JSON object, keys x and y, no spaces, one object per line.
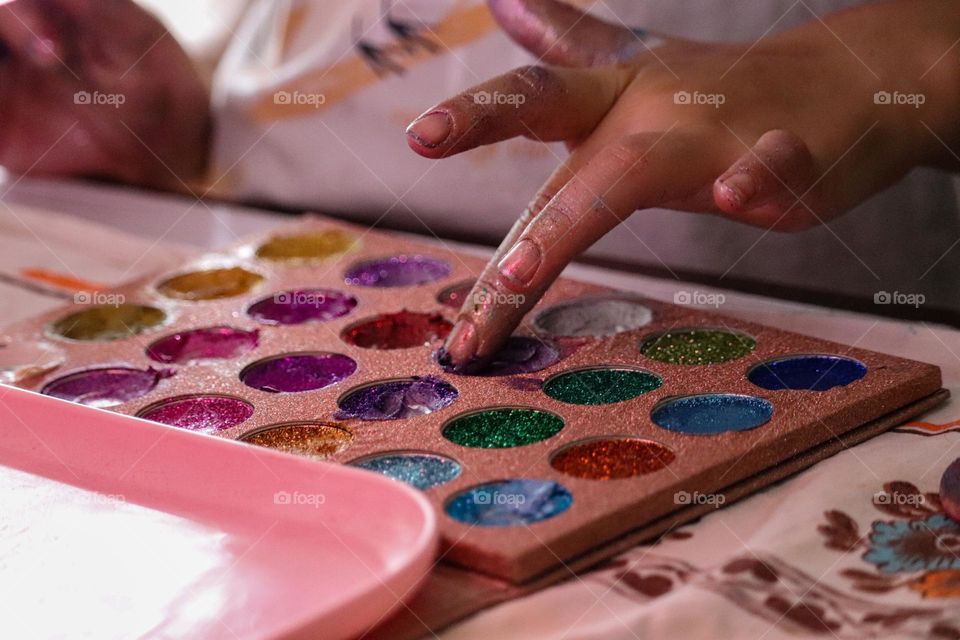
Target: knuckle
{"x":535,"y":79}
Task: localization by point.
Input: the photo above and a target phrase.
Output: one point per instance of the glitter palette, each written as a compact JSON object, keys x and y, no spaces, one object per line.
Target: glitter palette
{"x":606,"y":417}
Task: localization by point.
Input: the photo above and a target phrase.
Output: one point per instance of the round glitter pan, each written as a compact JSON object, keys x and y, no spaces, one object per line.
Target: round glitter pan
{"x":502,"y":428}
{"x":601,"y":385}
{"x":211,"y":284}
{"x":109,"y":322}
{"x":401,"y":330}
{"x":305,"y":247}
{"x":950,"y":490}
{"x":296,"y":372}
{"x":712,"y":413}
{"x":209,"y":343}
{"x":595,"y":316}
{"x":520,"y":355}
{"x":420,"y":470}
{"x":454,"y":295}
{"x":397,"y":271}
{"x":397,"y":399}
{"x":611,"y":458}
{"x":302,"y":305}
{"x":203,"y":413}
{"x":105,"y":386}
{"x":510,"y":503}
{"x":315,"y":440}
{"x":806,"y":372}
{"x":697,"y":346}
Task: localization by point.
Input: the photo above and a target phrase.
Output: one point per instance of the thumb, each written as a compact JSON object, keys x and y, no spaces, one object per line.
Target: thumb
{"x":563,"y":35}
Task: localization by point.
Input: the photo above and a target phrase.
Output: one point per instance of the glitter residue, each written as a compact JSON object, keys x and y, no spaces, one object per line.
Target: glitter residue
{"x":501,"y":428}
{"x":397,"y":399}
{"x":520,"y":355}
{"x":105,"y":386}
{"x":397,"y":271}
{"x":306,"y":247}
{"x":807,"y":372}
{"x":593,"y":316}
{"x":298,"y":372}
{"x":697,"y":346}
{"x":712,"y":413}
{"x":311,"y":439}
{"x":455,"y":295}
{"x":207,"y":414}
{"x":420,"y":470}
{"x":401,"y":330}
{"x":600,"y":386}
{"x":510,"y":503}
{"x":612,"y":458}
{"x":109,"y":322}
{"x":211,"y":284}
{"x":203,"y":344}
{"x":302,"y":305}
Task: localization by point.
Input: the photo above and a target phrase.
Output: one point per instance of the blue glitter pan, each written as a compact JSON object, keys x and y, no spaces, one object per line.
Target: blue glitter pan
{"x":510,"y":503}
{"x":712,"y":413}
{"x":807,"y":372}
{"x":420,"y":470}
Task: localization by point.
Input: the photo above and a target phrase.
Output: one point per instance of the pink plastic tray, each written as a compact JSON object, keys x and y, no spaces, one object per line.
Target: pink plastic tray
{"x":118,"y":527}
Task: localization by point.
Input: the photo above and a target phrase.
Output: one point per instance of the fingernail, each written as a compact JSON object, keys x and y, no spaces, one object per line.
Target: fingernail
{"x":461,"y":344}
{"x":432,"y":129}
{"x":741,"y":187}
{"x":521,"y":263}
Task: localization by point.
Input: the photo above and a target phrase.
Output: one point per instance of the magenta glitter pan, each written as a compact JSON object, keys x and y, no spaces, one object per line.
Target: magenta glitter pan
{"x":345,"y":348}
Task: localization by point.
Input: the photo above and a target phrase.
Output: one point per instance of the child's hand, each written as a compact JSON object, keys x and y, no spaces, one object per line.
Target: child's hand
{"x":98,"y":88}
{"x":784,"y":133}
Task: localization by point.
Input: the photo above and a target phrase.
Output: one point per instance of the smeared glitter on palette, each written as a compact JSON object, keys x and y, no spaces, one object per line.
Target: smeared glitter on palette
{"x":401,"y":330}
{"x":209,"y":343}
{"x":313,"y":440}
{"x":211,"y":284}
{"x":697,"y":346}
{"x":323,"y":340}
{"x":520,"y":355}
{"x":421,"y":470}
{"x":397,"y":399}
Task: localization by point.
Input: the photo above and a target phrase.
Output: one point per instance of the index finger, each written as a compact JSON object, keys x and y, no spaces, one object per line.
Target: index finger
{"x":637,"y":172}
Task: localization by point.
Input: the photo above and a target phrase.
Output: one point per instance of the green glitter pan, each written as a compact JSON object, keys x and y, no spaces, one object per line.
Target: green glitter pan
{"x":601,"y":385}
{"x":502,"y":428}
{"x":697,"y":346}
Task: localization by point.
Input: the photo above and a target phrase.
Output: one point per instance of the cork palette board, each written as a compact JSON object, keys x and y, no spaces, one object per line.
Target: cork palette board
{"x":605,"y":413}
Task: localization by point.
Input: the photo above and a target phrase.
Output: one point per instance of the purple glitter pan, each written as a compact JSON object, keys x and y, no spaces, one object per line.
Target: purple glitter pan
{"x":397,"y":399}
{"x":106,"y":386}
{"x":209,"y":343}
{"x":297,"y":306}
{"x":519,"y":356}
{"x":397,"y":271}
{"x":296,"y":372}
